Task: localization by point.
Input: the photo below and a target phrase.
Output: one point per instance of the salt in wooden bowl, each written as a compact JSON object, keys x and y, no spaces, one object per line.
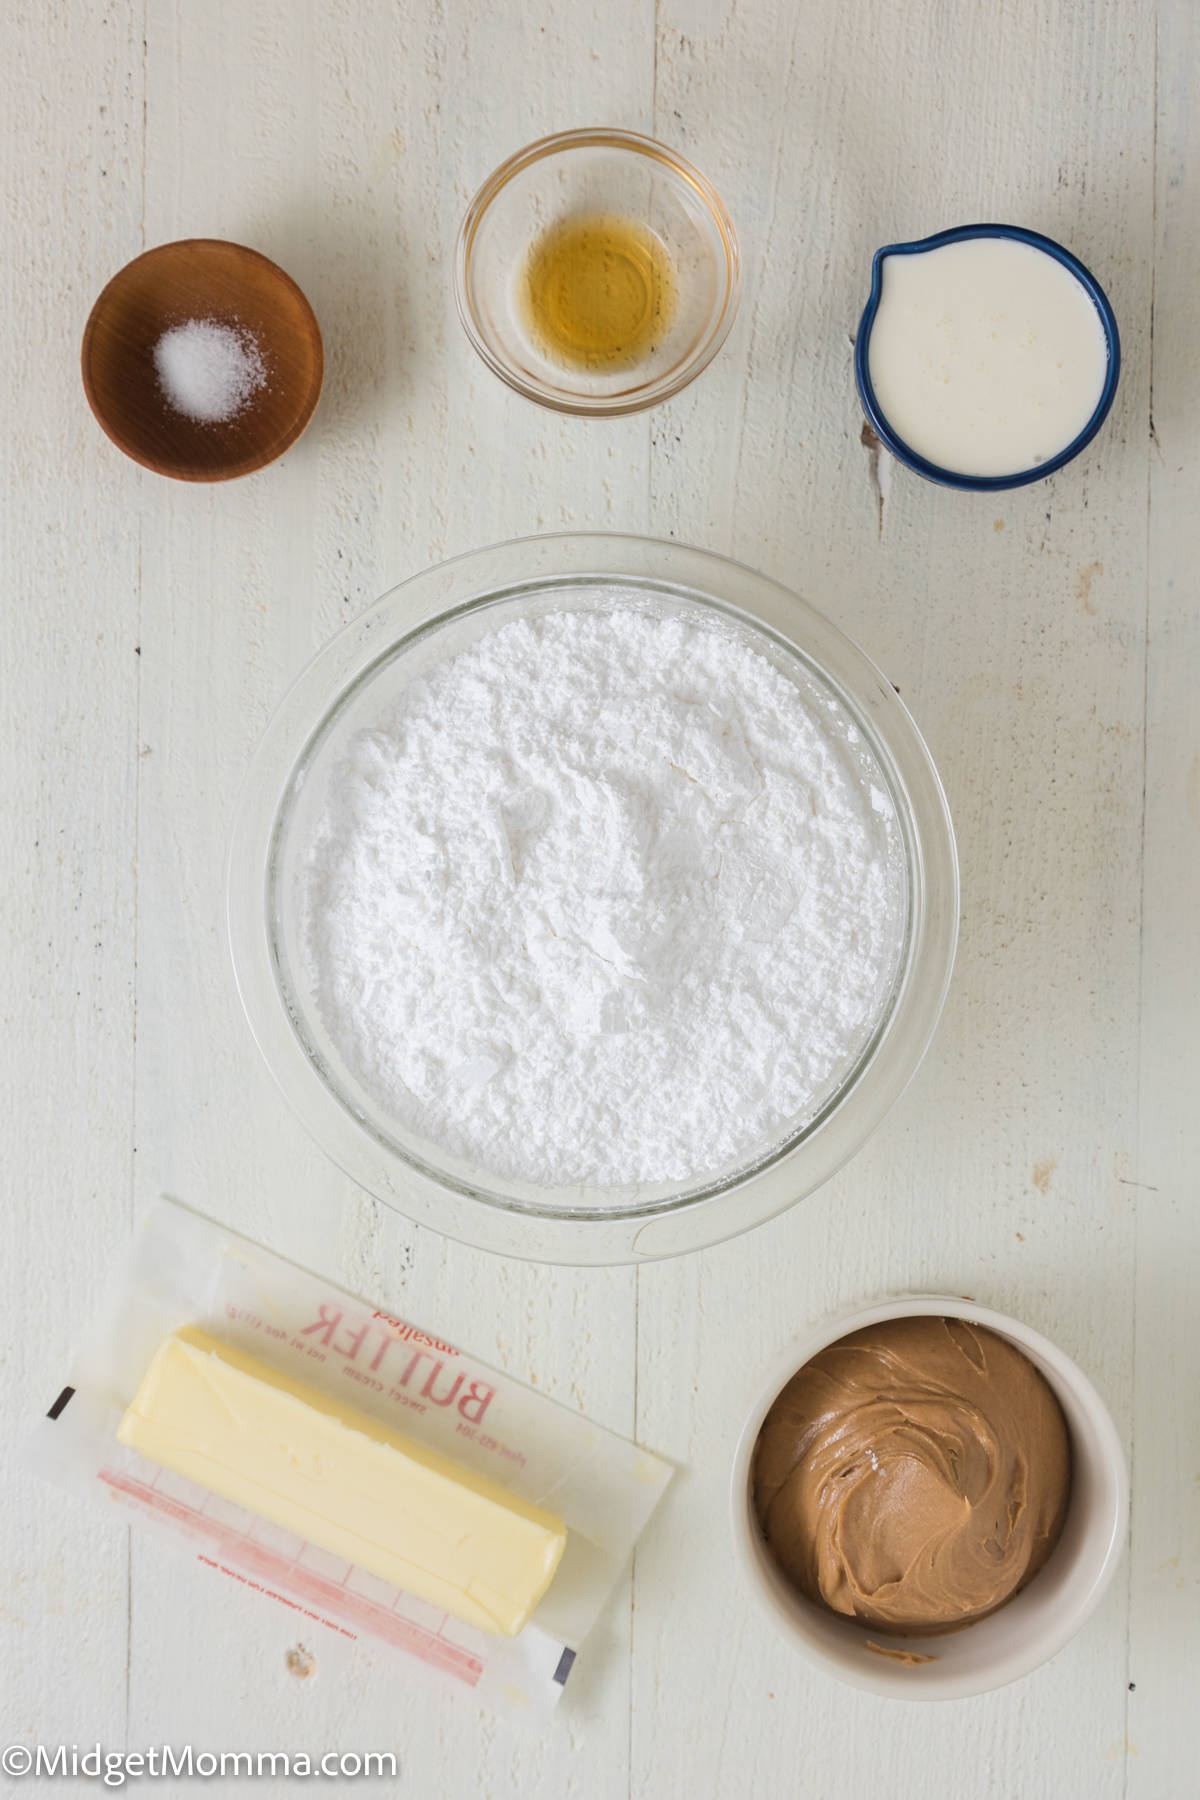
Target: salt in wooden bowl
{"x":201,"y":278}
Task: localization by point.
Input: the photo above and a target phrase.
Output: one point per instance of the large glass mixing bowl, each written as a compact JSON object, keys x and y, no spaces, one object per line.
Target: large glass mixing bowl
{"x":350,"y":684}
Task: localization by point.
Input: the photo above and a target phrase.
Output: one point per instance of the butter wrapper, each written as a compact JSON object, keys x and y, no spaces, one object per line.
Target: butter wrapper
{"x":182,"y":1269}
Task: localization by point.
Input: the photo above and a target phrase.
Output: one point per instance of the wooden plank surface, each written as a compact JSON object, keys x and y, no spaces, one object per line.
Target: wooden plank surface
{"x":70,"y":209}
{"x":1164,"y":1582}
{"x":1045,"y":1160}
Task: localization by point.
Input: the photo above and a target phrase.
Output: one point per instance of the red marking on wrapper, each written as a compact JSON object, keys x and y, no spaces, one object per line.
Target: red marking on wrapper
{"x":258,"y":1565}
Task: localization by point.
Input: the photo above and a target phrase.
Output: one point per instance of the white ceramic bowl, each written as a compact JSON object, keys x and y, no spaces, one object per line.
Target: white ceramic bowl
{"x":1020,"y":1636}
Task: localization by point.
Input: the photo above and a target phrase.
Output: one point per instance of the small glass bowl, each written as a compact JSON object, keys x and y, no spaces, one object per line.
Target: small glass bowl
{"x":614,"y":173}
{"x":434,"y":615}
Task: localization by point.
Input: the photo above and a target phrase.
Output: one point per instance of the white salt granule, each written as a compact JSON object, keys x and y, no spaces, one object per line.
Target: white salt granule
{"x":604,"y":899}
{"x":209,"y":370}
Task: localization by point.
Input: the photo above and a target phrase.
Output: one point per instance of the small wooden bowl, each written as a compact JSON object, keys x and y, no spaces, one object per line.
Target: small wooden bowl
{"x":201,"y":278}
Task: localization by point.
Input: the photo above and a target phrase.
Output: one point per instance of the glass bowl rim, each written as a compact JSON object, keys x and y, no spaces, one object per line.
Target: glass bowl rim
{"x":877,"y":418}
{"x":710,"y":1211}
{"x":629,"y":400}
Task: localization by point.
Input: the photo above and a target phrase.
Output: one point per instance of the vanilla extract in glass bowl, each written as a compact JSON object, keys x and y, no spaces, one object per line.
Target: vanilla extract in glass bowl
{"x":597,"y":273}
{"x":598,"y":291}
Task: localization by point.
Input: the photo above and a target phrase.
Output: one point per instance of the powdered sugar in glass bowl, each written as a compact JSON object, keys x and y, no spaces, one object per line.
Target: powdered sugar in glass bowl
{"x":592,"y":898}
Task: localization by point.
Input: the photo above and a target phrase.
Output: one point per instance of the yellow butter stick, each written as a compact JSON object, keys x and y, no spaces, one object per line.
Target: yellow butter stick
{"x":345,"y":1482}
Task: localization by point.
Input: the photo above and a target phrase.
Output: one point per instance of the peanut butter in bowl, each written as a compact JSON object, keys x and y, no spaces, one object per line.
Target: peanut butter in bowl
{"x":913,"y":1476}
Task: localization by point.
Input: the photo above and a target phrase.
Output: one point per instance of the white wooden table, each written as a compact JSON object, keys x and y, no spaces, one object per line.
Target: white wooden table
{"x":1047,"y":1158}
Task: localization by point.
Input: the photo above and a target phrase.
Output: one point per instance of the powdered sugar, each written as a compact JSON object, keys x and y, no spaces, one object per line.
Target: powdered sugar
{"x":605,"y":899}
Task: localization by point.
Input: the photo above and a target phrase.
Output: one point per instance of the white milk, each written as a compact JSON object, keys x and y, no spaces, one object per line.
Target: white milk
{"x":987,"y":356}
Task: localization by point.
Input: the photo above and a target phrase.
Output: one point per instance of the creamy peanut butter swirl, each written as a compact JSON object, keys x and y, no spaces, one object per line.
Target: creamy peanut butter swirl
{"x":914,"y":1475}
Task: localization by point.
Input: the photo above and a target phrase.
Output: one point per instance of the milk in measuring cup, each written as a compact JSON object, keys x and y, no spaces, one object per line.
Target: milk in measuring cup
{"x":987,"y":356}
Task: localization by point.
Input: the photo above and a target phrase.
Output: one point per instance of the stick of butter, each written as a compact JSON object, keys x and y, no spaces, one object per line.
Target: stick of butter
{"x":343,"y":1481}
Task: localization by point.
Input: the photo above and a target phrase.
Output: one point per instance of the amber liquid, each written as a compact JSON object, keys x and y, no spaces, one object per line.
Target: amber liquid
{"x":599,"y":291}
